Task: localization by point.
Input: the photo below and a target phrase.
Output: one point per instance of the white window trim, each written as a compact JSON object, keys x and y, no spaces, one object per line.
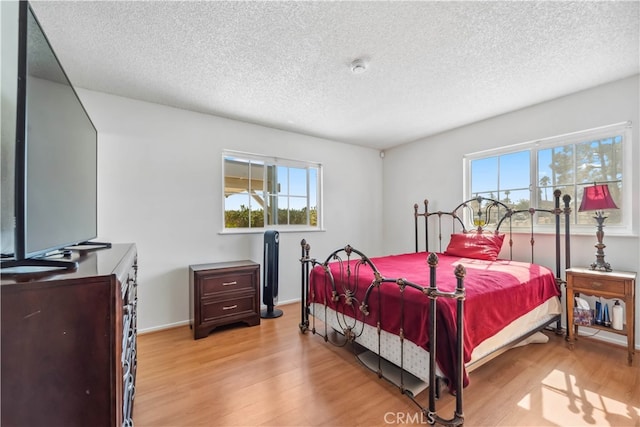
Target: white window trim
{"x":625,"y":229}
{"x":282,"y":228}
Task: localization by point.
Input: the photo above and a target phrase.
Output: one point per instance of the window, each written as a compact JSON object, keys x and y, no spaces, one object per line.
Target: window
{"x":526,"y":175}
{"x":268,"y":192}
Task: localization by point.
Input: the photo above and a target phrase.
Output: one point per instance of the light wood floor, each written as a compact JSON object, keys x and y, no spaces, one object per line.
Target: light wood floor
{"x":272,"y":375}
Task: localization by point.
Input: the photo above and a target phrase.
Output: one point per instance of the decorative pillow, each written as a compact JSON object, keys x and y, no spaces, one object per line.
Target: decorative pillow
{"x":473,"y":245}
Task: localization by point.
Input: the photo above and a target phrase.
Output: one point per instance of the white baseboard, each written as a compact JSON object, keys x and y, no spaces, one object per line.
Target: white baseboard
{"x":186,"y":322}
{"x":163,"y":327}
{"x":608,"y":337}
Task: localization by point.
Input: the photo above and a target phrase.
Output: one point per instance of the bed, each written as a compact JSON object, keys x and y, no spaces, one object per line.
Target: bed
{"x":430,"y":317}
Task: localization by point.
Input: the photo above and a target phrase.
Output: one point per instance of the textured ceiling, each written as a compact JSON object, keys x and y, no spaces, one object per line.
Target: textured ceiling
{"x":430,"y":66}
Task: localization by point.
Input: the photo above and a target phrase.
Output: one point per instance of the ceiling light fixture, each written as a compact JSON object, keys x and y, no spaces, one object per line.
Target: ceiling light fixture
{"x":358,"y":66}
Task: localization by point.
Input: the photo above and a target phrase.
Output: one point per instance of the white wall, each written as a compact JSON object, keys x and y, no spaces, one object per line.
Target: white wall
{"x":432,"y":168}
{"x":159,"y":186}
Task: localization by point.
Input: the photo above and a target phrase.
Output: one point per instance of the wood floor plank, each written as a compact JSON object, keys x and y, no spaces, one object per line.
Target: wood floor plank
{"x":272,"y":375}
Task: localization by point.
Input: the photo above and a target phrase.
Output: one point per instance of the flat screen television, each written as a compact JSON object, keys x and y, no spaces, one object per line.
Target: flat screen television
{"x":55,"y":154}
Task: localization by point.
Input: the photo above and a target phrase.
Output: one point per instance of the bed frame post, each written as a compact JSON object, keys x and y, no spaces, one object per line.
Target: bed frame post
{"x":556,"y":197}
{"x":567,"y":233}
{"x":304,"y":283}
{"x":460,"y":295}
{"x":426,"y":225}
{"x":415,"y":221}
{"x":433,"y":294}
{"x":567,"y":242}
{"x":425,"y":214}
{"x":567,"y":252}
{"x":432,"y":260}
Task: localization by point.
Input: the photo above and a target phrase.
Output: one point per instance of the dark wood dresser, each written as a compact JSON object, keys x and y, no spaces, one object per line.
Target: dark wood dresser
{"x":223,"y":293}
{"x":69,"y":343}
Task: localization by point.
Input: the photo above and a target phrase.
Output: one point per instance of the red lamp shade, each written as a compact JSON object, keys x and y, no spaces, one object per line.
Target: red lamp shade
{"x":597,"y":198}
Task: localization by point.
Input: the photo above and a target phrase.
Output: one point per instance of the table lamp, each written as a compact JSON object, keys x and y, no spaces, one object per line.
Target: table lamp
{"x":597,"y":198}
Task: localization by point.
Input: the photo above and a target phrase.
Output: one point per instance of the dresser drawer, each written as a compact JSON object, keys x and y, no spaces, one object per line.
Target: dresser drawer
{"x":222,"y":308}
{"x":599,"y":285}
{"x":236,"y":282}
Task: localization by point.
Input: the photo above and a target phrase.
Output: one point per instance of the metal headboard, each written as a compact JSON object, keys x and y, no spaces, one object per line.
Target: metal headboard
{"x":488,"y":215}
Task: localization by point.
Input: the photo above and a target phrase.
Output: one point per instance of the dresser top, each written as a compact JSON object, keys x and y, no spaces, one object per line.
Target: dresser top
{"x":220,"y":265}
{"x":91,"y":263}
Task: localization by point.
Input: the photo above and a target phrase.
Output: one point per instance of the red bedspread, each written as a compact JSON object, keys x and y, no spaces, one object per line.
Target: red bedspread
{"x":497,"y":293}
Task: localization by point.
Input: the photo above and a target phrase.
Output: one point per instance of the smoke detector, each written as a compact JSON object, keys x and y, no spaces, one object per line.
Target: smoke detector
{"x":358,"y":66}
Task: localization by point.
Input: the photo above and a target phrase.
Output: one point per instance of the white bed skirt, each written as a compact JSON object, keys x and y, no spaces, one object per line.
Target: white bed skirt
{"x":416,"y":359}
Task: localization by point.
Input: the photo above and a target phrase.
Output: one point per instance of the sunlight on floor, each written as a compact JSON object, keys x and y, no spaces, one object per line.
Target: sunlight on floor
{"x":586,"y":407}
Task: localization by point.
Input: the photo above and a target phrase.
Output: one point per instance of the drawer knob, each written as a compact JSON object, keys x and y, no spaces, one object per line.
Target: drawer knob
{"x":230,"y":283}
{"x":230,"y":307}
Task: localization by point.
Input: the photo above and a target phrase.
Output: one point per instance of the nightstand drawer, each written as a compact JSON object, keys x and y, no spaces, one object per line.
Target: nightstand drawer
{"x":597,"y":284}
{"x":235,"y":282}
{"x":217,"y":309}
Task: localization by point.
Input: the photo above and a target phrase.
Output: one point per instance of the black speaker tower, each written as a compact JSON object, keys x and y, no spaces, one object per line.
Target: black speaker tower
{"x":270,"y":277}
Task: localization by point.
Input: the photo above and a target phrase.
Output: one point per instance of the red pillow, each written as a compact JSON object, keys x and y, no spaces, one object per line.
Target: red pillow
{"x":473,"y":245}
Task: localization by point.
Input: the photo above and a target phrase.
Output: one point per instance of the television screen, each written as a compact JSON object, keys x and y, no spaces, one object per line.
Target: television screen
{"x":56,"y":153}
{"x":9,"y":24}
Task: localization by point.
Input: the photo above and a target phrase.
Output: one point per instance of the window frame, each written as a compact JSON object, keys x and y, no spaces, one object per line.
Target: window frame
{"x":625,"y":228}
{"x":274,"y":161}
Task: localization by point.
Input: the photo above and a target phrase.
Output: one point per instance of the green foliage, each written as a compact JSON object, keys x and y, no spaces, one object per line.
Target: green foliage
{"x":240,"y":218}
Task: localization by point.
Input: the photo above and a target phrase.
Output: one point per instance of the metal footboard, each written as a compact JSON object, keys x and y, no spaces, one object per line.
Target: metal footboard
{"x":352,"y":312}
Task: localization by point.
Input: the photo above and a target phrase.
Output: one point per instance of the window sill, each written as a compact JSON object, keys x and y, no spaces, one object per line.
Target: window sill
{"x":262,"y":230}
{"x":581,"y":230}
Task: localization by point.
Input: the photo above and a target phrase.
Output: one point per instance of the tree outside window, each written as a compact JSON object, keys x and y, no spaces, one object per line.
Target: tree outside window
{"x":528,"y":175}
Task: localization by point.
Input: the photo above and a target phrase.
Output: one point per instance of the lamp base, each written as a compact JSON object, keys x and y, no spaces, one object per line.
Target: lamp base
{"x":596,"y":266}
{"x":600,"y":264}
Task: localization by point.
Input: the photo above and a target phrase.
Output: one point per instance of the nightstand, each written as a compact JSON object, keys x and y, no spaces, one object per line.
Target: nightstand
{"x":223,"y":293}
{"x":610,"y":285}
